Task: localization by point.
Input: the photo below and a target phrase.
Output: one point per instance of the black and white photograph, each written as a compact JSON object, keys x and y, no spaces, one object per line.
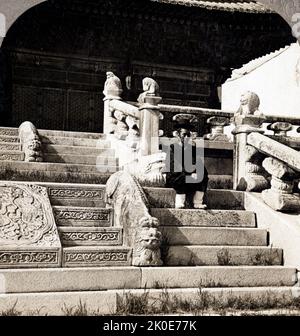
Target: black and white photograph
{"x":149,"y":160}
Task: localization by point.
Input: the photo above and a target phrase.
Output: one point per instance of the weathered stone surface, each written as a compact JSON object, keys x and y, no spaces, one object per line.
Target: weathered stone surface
{"x":9,"y":139}
{"x":8,"y":131}
{"x":204,"y":218}
{"x":81,"y":159}
{"x":131,"y":213}
{"x":85,"y":236}
{"x":31,"y":143}
{"x":4,"y":146}
{"x":223,"y":256}
{"x":79,"y":150}
{"x":60,"y":304}
{"x":80,"y":216}
{"x":67,"y":134}
{"x":280,"y":201}
{"x":160,"y":197}
{"x":214,"y":236}
{"x":92,"y":256}
{"x":11,"y":155}
{"x":219,"y":276}
{"x":69,"y":141}
{"x":281,"y":128}
{"x":283,"y":228}
{"x":225,"y":199}
{"x":278,"y":169}
{"x":275,"y":149}
{"x":69,"y":279}
{"x":28,"y":234}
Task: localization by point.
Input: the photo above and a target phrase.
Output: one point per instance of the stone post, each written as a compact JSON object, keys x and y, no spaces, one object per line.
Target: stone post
{"x":112,"y":91}
{"x":281,"y":197}
{"x":217,"y":129}
{"x":150,"y":116}
{"x":248,"y":173}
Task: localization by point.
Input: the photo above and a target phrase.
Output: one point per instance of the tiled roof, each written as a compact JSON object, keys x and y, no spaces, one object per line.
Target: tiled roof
{"x":223,"y":5}
{"x":256,"y":63}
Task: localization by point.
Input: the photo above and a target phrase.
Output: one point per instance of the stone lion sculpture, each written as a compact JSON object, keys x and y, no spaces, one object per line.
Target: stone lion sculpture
{"x":150,"y":88}
{"x":148,"y":241}
{"x":112,"y":86}
{"x":31,"y":144}
{"x":250,"y":103}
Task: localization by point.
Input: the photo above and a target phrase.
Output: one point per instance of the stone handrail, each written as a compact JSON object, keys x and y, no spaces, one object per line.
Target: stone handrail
{"x":131,"y":212}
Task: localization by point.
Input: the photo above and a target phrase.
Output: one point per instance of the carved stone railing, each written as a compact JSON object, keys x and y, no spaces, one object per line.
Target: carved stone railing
{"x":131,"y":212}
{"x":133,"y":129}
{"x":267,"y":163}
{"x":30,"y":142}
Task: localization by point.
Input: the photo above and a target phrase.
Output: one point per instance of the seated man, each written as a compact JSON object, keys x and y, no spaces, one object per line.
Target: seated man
{"x":187,"y":173}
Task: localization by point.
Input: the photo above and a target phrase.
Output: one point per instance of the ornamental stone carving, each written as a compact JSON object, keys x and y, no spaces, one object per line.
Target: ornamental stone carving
{"x":131,"y":212}
{"x":30,"y":141}
{"x":250,"y":103}
{"x":27,"y":227}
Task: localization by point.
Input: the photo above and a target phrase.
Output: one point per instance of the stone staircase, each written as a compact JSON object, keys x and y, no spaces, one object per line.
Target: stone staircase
{"x":220,"y":249}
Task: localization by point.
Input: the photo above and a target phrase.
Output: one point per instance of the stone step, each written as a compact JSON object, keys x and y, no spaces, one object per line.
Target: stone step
{"x":174,"y":235}
{"x":69,"y":141}
{"x":106,"y":278}
{"x":9,"y":139}
{"x":6,"y":146}
{"x":11,"y":155}
{"x":9,"y":131}
{"x":83,"y":216}
{"x":205,"y":218}
{"x":96,"y":256}
{"x":68,"y":134}
{"x":222,"y":255}
{"x":90,"y":236}
{"x":115,"y":302}
{"x":78,"y":150}
{"x":81,"y":159}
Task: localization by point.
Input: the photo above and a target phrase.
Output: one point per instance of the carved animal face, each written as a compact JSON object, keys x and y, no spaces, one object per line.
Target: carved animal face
{"x":149,"y":238}
{"x":150,"y":86}
{"x":250,"y":102}
{"x":34,"y":145}
{"x":148,"y":222}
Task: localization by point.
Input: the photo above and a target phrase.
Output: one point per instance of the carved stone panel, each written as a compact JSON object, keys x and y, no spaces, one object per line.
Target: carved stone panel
{"x":28,"y":233}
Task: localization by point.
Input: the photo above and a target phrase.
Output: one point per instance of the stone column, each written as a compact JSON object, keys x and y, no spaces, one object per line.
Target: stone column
{"x":248,"y":173}
{"x":217,"y":129}
{"x":281,"y":197}
{"x":150,"y":117}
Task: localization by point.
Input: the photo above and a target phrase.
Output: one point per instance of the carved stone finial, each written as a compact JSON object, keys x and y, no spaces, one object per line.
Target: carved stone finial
{"x":31,"y":144}
{"x":112,"y":86}
{"x":250,"y":103}
{"x":217,"y":129}
{"x":151,"y":91}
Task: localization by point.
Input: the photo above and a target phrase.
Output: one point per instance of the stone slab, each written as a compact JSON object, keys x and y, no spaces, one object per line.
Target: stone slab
{"x":78,"y":150}
{"x":9,"y":131}
{"x":83,"y":135}
{"x":161,"y":197}
{"x":81,"y":159}
{"x":82,"y":216}
{"x":5,"y":146}
{"x":225,"y":199}
{"x":60,"y":304}
{"x":90,"y":236}
{"x":214,"y":236}
{"x":76,"y":194}
{"x":92,"y":256}
{"x":52,"y":176}
{"x":281,"y":202}
{"x":220,"y":181}
{"x":218,"y":276}
{"x":222,"y":255}
{"x":69,"y":279}
{"x":13,"y":155}
{"x":28,"y":233}
{"x":284,"y":228}
{"x":9,"y":139}
{"x":68,"y":141}
{"x":107,"y":302}
{"x":205,"y":218}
